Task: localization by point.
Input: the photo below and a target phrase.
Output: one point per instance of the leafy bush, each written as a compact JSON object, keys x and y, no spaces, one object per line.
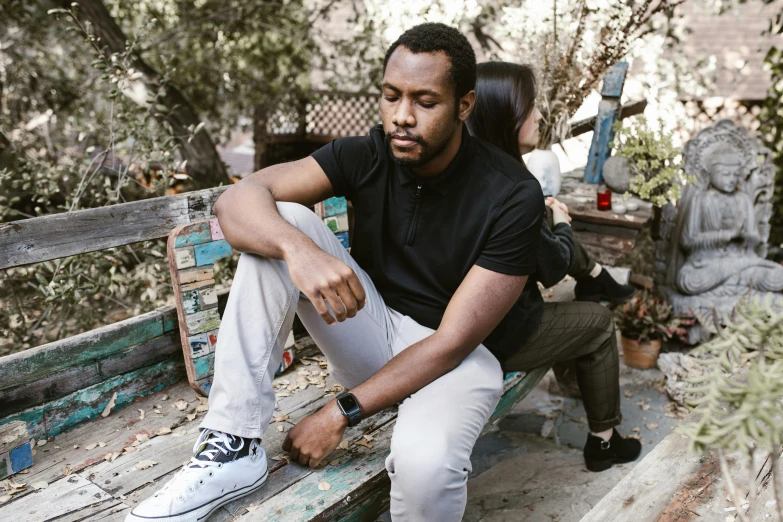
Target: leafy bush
{"x":655,"y":163}
{"x":645,"y":317}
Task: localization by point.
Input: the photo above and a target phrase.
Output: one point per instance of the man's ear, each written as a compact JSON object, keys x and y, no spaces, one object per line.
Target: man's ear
{"x":466,"y":104}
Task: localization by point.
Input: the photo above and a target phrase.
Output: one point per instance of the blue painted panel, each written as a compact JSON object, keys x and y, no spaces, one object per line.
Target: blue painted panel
{"x":343,"y":237}
{"x":206,"y":386}
{"x":204,"y":366}
{"x":21,"y":457}
{"x":195,"y":236}
{"x":208,"y":253}
{"x":602,"y":138}
{"x":614,"y":80}
{"x":335,"y":206}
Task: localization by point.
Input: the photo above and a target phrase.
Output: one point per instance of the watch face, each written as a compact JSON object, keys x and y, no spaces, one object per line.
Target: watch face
{"x":349,"y":403}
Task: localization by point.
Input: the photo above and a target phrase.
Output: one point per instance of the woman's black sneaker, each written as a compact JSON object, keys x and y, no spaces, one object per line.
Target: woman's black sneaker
{"x":602,"y":288}
{"x":601,"y":454}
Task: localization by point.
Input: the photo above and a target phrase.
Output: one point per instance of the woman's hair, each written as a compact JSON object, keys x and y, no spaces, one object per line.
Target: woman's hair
{"x":505,"y":97}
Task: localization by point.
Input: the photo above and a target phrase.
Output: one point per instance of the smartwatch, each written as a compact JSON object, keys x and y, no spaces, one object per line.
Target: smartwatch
{"x":350,"y":408}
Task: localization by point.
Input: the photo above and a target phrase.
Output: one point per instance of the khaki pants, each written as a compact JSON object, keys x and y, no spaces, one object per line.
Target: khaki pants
{"x":436,"y":427}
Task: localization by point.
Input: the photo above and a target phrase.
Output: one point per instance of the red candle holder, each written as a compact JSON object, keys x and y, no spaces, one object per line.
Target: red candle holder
{"x":603,"y":198}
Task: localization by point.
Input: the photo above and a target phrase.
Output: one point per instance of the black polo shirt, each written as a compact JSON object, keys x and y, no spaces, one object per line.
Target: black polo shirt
{"x":418,"y":238}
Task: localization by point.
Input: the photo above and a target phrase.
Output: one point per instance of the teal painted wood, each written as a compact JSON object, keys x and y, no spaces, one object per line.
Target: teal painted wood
{"x":614,"y":80}
{"x":36,"y":363}
{"x":608,"y":113}
{"x":514,"y":395}
{"x":55,"y":417}
{"x":205,"y":366}
{"x":335,"y":206}
{"x":201,"y":234}
{"x":208,"y":253}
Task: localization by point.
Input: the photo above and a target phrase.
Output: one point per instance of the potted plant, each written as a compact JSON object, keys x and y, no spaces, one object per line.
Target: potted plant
{"x":644,"y":322}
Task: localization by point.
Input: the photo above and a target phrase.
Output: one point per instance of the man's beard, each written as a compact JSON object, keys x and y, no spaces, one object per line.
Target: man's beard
{"x":427,"y":150}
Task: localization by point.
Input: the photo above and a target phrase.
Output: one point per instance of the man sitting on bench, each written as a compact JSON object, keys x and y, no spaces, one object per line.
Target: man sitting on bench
{"x":422,"y":313}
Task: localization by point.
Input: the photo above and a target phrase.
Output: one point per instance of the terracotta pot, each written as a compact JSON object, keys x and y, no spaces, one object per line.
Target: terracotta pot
{"x":640,"y":355}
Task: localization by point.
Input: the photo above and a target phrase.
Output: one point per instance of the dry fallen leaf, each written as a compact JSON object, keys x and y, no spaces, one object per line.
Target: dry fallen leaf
{"x":645,"y":407}
{"x":41,"y":442}
{"x":580,"y":420}
{"x":324,"y":486}
{"x":201,"y":408}
{"x":67,"y":470}
{"x":190,"y":416}
{"x":281,"y":428}
{"x":279,"y":456}
{"x":283,"y":394}
{"x":4,"y":499}
{"x":164,"y":430}
{"x":141,"y":414}
{"x":651,"y":426}
{"x":180,"y":404}
{"x":40,"y":484}
{"x":252,"y":507}
{"x":369,"y":438}
{"x":129,"y":449}
{"x":280,"y":418}
{"x":344,"y":444}
{"x":91,"y":446}
{"x":364,"y":443}
{"x":335,"y":462}
{"x":75,"y":446}
{"x":158,"y":412}
{"x":165,"y":397}
{"x":144,"y":464}
{"x":112,"y":402}
{"x":112,"y":456}
{"x":102,"y":444}
{"x":142,"y":437}
{"x":628,"y":393}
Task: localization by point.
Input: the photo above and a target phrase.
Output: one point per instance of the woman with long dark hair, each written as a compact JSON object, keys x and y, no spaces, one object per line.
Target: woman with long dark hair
{"x":506,"y":116}
{"x":576,"y":336}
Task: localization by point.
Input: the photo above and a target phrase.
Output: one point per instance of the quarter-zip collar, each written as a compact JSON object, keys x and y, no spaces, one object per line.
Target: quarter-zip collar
{"x":443,"y":182}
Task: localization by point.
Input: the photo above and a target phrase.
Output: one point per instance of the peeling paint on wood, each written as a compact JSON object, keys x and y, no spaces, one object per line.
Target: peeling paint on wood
{"x":197,"y":284}
{"x":197,"y":234}
{"x":204,"y":366}
{"x":337,"y":223}
{"x":335,"y":206}
{"x":343,"y":237}
{"x":208,"y":253}
{"x":608,"y":110}
{"x":207,"y":298}
{"x":184,"y":257}
{"x":196,"y":274}
{"x":199,"y":345}
{"x":212,"y":340}
{"x":203,"y":321}
{"x":216,"y":234}
{"x":190,"y":302}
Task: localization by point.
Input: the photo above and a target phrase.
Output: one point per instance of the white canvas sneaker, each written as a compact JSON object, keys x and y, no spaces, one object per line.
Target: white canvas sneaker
{"x":224,"y":468}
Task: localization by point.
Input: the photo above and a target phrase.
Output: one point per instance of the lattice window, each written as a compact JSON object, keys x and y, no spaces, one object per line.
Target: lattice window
{"x":326,"y":114}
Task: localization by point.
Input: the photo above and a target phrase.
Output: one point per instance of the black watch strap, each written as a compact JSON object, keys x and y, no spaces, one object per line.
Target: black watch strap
{"x":350,"y":408}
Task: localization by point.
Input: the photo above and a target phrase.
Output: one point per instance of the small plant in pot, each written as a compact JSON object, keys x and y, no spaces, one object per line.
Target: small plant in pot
{"x":644,"y":322}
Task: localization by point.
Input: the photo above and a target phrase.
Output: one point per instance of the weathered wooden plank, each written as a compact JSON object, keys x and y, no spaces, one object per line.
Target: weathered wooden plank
{"x":586,"y":212}
{"x":647,"y":490}
{"x":71,"y":498}
{"x":608,"y":111}
{"x":338,"y":223}
{"x":208,"y":253}
{"x":54,"y":417}
{"x":199,"y":233}
{"x":15,"y":449}
{"x":204,"y":366}
{"x":586,"y":125}
{"x":60,"y":235}
{"x":335,"y":206}
{"x":201,"y":322}
{"x":36,"y":363}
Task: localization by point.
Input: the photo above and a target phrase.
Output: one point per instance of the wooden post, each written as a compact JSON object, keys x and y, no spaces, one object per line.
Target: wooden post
{"x":608,"y":113}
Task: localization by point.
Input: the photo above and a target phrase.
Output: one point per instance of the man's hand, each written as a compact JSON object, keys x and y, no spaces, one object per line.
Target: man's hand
{"x":316,"y":436}
{"x":323,"y":277}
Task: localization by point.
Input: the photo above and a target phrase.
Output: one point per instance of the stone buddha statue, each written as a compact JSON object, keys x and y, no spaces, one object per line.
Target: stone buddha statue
{"x":714,"y":244}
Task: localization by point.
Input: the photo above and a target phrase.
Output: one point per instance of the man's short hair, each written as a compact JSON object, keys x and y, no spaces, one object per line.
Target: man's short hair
{"x":432,"y":38}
